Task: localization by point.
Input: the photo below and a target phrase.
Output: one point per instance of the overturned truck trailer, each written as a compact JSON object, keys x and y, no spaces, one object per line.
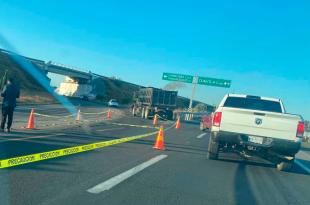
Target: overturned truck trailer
{"x":150,"y":101}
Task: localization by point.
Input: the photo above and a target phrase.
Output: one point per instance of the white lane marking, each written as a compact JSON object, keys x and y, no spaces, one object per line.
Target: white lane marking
{"x":110,"y":183}
{"x":200,"y":136}
{"x":304,"y":167}
{"x":26,"y":138}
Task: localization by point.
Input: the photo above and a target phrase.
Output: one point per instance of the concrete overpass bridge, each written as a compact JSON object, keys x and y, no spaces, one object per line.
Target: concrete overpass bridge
{"x":77,"y":83}
{"x":61,"y":69}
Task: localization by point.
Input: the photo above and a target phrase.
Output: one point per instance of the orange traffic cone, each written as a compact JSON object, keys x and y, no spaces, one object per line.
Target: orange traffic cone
{"x":78,"y":116}
{"x":30,"y":124}
{"x":109,"y":114}
{"x":178,"y":124}
{"x":159,"y":144}
{"x":155,"y":120}
{"x":97,"y":117}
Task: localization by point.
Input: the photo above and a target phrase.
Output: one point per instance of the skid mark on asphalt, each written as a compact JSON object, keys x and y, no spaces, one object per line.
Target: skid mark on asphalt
{"x":104,"y":186}
{"x":131,"y":125}
{"x":2,"y":139}
{"x":109,"y":129}
{"x":303,"y":154}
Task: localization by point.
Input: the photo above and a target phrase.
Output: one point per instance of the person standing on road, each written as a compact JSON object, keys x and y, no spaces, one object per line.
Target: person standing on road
{"x":10,"y":93}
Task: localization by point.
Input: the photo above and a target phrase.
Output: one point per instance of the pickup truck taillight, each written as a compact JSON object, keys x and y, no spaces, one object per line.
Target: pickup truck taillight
{"x":217,"y":119}
{"x":300,"y":129}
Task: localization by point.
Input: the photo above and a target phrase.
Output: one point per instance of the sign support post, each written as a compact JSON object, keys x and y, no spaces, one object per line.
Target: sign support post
{"x":195,"y":81}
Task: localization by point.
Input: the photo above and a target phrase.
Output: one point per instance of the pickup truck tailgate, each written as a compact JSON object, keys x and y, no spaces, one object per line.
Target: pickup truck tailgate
{"x":267,"y":124}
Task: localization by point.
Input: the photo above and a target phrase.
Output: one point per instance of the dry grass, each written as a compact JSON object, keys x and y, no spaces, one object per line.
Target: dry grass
{"x":31,"y":91}
{"x":38,"y":98}
{"x":23,"y":79}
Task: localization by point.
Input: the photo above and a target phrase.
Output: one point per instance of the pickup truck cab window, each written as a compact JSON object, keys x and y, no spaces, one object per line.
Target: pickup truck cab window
{"x":253,"y":104}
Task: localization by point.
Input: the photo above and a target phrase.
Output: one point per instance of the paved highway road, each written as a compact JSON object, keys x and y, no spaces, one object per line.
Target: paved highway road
{"x":179,"y":175}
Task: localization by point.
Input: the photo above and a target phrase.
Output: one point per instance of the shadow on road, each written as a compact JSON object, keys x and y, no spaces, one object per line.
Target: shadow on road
{"x":247,"y":162}
{"x":295,"y":169}
{"x":186,"y":152}
{"x":243,"y":193}
{"x":307,"y":149}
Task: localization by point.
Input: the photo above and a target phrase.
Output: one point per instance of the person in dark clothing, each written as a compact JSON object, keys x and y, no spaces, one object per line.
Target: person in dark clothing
{"x":10,"y":93}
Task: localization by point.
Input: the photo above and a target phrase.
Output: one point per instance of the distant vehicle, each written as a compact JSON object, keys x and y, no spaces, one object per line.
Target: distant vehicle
{"x":150,"y":101}
{"x":84,"y":97}
{"x":113,"y":103}
{"x":206,"y":122}
{"x":88,"y":97}
{"x":254,"y":125}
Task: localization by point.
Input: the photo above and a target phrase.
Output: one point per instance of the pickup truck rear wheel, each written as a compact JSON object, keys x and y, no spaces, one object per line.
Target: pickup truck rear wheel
{"x":142,"y":112}
{"x":134,"y":112}
{"x":213,"y":149}
{"x":285,"y":165}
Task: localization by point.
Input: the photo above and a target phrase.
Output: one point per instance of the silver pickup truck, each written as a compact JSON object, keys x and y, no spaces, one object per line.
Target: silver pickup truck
{"x":253,"y":125}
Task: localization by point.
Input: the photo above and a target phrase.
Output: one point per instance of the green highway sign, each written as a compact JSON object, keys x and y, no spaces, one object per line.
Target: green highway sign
{"x":214,"y":82}
{"x":197,"y":80}
{"x":178,"y":77}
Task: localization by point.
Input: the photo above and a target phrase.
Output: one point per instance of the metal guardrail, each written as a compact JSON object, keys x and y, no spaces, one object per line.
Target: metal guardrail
{"x":307,"y":136}
{"x":192,"y":117}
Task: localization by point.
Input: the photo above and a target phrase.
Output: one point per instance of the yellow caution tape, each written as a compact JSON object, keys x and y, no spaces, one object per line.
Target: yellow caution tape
{"x":51,"y":116}
{"x":16,"y":161}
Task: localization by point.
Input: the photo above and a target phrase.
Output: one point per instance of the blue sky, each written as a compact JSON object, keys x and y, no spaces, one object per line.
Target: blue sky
{"x":262,"y":46}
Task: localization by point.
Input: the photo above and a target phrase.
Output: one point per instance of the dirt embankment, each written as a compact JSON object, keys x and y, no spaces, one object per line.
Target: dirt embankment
{"x":106,"y":88}
{"x":31,"y":91}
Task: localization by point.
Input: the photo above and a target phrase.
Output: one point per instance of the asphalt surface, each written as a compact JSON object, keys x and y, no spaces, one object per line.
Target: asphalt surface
{"x":184,"y":176}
